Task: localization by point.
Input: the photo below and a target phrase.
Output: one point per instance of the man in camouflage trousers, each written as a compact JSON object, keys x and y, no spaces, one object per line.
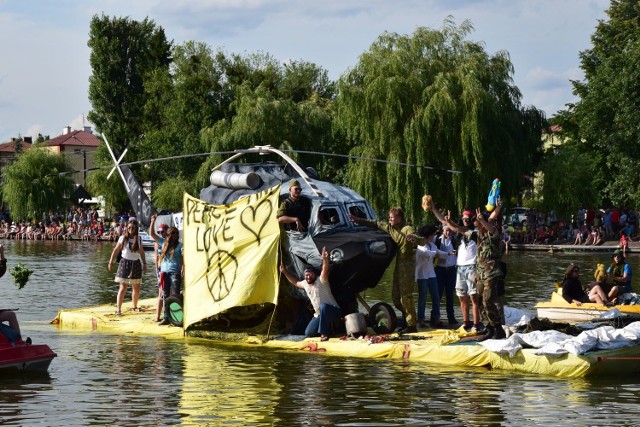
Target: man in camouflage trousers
{"x":490,"y":273}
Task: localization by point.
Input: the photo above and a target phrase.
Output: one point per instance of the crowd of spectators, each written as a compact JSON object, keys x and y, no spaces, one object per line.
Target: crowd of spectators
{"x":586,"y":227}
{"x":77,"y":223}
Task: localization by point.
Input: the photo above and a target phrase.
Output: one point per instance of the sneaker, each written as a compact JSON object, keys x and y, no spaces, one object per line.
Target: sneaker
{"x":479,"y":328}
{"x":468,"y":326}
{"x":164,"y":322}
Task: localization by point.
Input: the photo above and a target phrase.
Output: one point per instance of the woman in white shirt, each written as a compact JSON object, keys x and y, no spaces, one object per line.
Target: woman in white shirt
{"x":132,"y":264}
{"x":426,"y":276}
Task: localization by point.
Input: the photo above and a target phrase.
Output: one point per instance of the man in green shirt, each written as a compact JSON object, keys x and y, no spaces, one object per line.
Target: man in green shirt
{"x":404,"y":271}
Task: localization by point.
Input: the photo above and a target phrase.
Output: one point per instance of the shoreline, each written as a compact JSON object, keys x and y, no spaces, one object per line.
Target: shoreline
{"x":606,"y":247}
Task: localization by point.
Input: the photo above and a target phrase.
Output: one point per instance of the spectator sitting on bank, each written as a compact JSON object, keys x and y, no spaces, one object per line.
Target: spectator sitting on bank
{"x":68,"y":233}
{"x":624,"y":242}
{"x":591,"y":236}
{"x":581,"y":236}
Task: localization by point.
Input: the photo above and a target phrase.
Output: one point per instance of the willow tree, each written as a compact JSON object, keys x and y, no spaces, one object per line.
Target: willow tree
{"x":39,"y":181}
{"x":439,"y":101}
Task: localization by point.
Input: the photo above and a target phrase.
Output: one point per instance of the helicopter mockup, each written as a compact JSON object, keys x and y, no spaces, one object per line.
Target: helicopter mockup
{"x":359,"y":255}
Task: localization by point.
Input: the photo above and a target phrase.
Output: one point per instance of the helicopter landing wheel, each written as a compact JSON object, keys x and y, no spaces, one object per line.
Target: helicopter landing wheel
{"x":382,"y":318}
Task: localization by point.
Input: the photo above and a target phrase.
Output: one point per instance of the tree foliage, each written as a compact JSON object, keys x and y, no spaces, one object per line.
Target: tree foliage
{"x":125,"y":56}
{"x":605,"y":118}
{"x":169,"y":194}
{"x":37,"y":182}
{"x":288,"y":107}
{"x":568,"y":184}
{"x":438,"y":100}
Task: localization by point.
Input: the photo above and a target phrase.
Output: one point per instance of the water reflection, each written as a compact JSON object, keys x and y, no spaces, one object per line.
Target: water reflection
{"x":226,"y":386}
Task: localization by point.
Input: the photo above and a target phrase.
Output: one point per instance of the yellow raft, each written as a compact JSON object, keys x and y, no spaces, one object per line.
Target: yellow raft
{"x":559,"y":310}
{"x":442,"y":347}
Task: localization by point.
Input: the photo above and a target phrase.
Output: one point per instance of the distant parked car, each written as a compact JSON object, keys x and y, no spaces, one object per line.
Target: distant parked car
{"x":518,"y":216}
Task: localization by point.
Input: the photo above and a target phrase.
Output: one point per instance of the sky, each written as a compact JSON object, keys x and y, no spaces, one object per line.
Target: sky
{"x":44,"y":58}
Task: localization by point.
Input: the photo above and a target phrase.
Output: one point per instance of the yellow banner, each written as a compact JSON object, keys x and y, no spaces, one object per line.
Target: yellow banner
{"x":230,"y":254}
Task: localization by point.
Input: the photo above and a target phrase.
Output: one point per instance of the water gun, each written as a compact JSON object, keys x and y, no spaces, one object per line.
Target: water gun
{"x":494,"y":195}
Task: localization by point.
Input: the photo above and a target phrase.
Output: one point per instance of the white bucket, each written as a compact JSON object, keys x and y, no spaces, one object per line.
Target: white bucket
{"x":356,"y":325}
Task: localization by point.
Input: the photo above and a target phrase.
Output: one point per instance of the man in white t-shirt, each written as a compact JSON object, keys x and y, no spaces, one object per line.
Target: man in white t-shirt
{"x":326,"y":310}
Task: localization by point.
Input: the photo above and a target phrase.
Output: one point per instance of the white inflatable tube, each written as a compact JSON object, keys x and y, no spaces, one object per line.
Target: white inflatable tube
{"x":235,"y":181}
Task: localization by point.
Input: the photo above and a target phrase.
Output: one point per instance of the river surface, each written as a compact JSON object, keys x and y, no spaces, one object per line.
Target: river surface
{"x":104,"y":379}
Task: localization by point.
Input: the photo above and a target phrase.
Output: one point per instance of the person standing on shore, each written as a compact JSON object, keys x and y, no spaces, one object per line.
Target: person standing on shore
{"x":404,"y":271}
{"x":132,"y":264}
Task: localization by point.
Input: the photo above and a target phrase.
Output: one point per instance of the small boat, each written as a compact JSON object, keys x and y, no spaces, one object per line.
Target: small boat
{"x":559,"y":310}
{"x":23,"y":357}
{"x":147,"y":241}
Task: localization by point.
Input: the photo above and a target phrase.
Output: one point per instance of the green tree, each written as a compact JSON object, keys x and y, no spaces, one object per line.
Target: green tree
{"x":126,"y":57}
{"x":440,"y":101}
{"x":605,"y":119}
{"x":41,"y":138}
{"x":124,"y":54}
{"x":38,"y":181}
{"x":111,"y":189}
{"x":169,"y":194}
{"x":288,"y":107}
{"x":568,"y":184}
{"x":196,"y":103}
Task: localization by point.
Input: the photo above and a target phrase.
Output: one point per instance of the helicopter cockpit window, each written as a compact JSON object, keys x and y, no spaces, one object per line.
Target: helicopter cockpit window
{"x":357,"y":211}
{"x":329,"y":216}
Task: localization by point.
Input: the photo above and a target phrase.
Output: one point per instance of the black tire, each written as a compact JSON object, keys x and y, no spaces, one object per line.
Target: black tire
{"x":382,"y":318}
{"x":175,"y":309}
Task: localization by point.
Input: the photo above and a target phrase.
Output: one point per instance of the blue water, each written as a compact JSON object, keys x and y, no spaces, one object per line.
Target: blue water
{"x":103,"y":379}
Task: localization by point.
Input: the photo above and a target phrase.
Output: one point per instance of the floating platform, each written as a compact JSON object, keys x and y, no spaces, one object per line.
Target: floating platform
{"x":443,"y":347}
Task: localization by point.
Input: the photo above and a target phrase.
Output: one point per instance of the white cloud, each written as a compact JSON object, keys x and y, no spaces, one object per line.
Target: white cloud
{"x":45,"y":67}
